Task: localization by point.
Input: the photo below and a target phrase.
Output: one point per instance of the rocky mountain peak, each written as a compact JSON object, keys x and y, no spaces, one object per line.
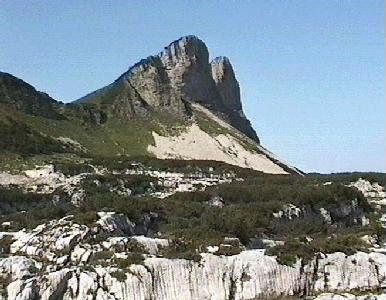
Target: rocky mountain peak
{"x":175,"y":78}
{"x":187,"y":50}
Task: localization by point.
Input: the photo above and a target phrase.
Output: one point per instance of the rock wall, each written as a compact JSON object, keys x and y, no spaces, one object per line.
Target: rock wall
{"x":249,"y":275}
{"x":227,"y":85}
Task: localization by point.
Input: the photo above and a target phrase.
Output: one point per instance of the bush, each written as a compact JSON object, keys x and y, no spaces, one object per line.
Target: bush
{"x":119,"y":275}
{"x":347,"y":178}
{"x":118,"y":184}
{"x":192,"y":224}
{"x":348,"y":244}
{"x":27,"y":210}
{"x":102,"y":257}
{"x":228,"y":250}
{"x":5,"y":243}
{"x":86,"y":218}
{"x":134,"y":258}
{"x":135,"y":246}
{"x":287,"y":253}
{"x":17,"y":137}
{"x":182,"y":250}
{"x":73,"y":168}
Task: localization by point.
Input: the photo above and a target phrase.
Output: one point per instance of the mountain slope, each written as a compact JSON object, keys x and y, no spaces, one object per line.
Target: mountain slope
{"x":26,"y":98}
{"x":176,"y":104}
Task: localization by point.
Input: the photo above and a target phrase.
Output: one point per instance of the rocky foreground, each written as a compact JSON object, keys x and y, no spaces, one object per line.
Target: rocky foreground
{"x":248,"y":275}
{"x":62,"y":259}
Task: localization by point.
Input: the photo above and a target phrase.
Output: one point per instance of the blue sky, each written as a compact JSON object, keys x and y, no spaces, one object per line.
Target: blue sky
{"x":312,"y":72}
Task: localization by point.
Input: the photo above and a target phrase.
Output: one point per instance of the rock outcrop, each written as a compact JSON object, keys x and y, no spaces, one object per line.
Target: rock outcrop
{"x":227,"y":85}
{"x":249,"y":275}
{"x":171,"y":80}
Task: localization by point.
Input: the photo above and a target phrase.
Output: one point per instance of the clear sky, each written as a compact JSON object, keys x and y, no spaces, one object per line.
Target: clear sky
{"x":312,"y":72}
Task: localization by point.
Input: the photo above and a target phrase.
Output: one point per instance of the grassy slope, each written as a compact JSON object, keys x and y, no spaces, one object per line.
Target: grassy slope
{"x":115,"y":137}
{"x":112,"y":138}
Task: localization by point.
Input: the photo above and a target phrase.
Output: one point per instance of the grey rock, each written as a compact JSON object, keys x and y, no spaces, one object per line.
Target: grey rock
{"x":216,"y":201}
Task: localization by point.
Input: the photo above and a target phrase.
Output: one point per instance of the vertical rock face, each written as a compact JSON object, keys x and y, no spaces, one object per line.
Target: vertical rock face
{"x":248,"y":275}
{"x":227,"y":85}
{"x":168,"y":82}
{"x":179,"y":73}
{"x":187,"y":65}
{"x":229,"y":90}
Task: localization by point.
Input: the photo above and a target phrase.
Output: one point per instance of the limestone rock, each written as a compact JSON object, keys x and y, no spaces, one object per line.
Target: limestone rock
{"x":18,"y":267}
{"x":115,"y":223}
{"x":216,"y":201}
{"x":348,"y":296}
{"x":248,"y":275}
{"x":151,"y":245}
{"x":227,"y":85}
{"x":50,"y":240}
{"x":373,"y":191}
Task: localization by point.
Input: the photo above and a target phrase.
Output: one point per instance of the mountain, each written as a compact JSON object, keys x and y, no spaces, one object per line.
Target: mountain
{"x":24,"y":97}
{"x":174,"y":79}
{"x":174,"y":105}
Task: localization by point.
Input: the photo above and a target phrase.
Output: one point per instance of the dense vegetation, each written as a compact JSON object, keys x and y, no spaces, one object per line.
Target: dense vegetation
{"x":17,"y":137}
{"x":191,"y":222}
{"x":29,"y":209}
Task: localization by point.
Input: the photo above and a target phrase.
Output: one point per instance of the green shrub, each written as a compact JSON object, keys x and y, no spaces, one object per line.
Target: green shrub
{"x":102,"y":257}
{"x":17,"y":137}
{"x":135,"y":246}
{"x":118,"y":184}
{"x":5,"y":243}
{"x":86,"y":218}
{"x":292,"y":249}
{"x":286,"y":254}
{"x":73,"y":168}
{"x":133,"y":258}
{"x":228,"y":250}
{"x":182,"y":250}
{"x":119,"y":275}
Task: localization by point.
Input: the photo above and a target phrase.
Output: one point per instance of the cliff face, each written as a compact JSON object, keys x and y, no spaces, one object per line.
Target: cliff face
{"x":227,"y":85}
{"x":249,"y":275}
{"x":172,"y":80}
